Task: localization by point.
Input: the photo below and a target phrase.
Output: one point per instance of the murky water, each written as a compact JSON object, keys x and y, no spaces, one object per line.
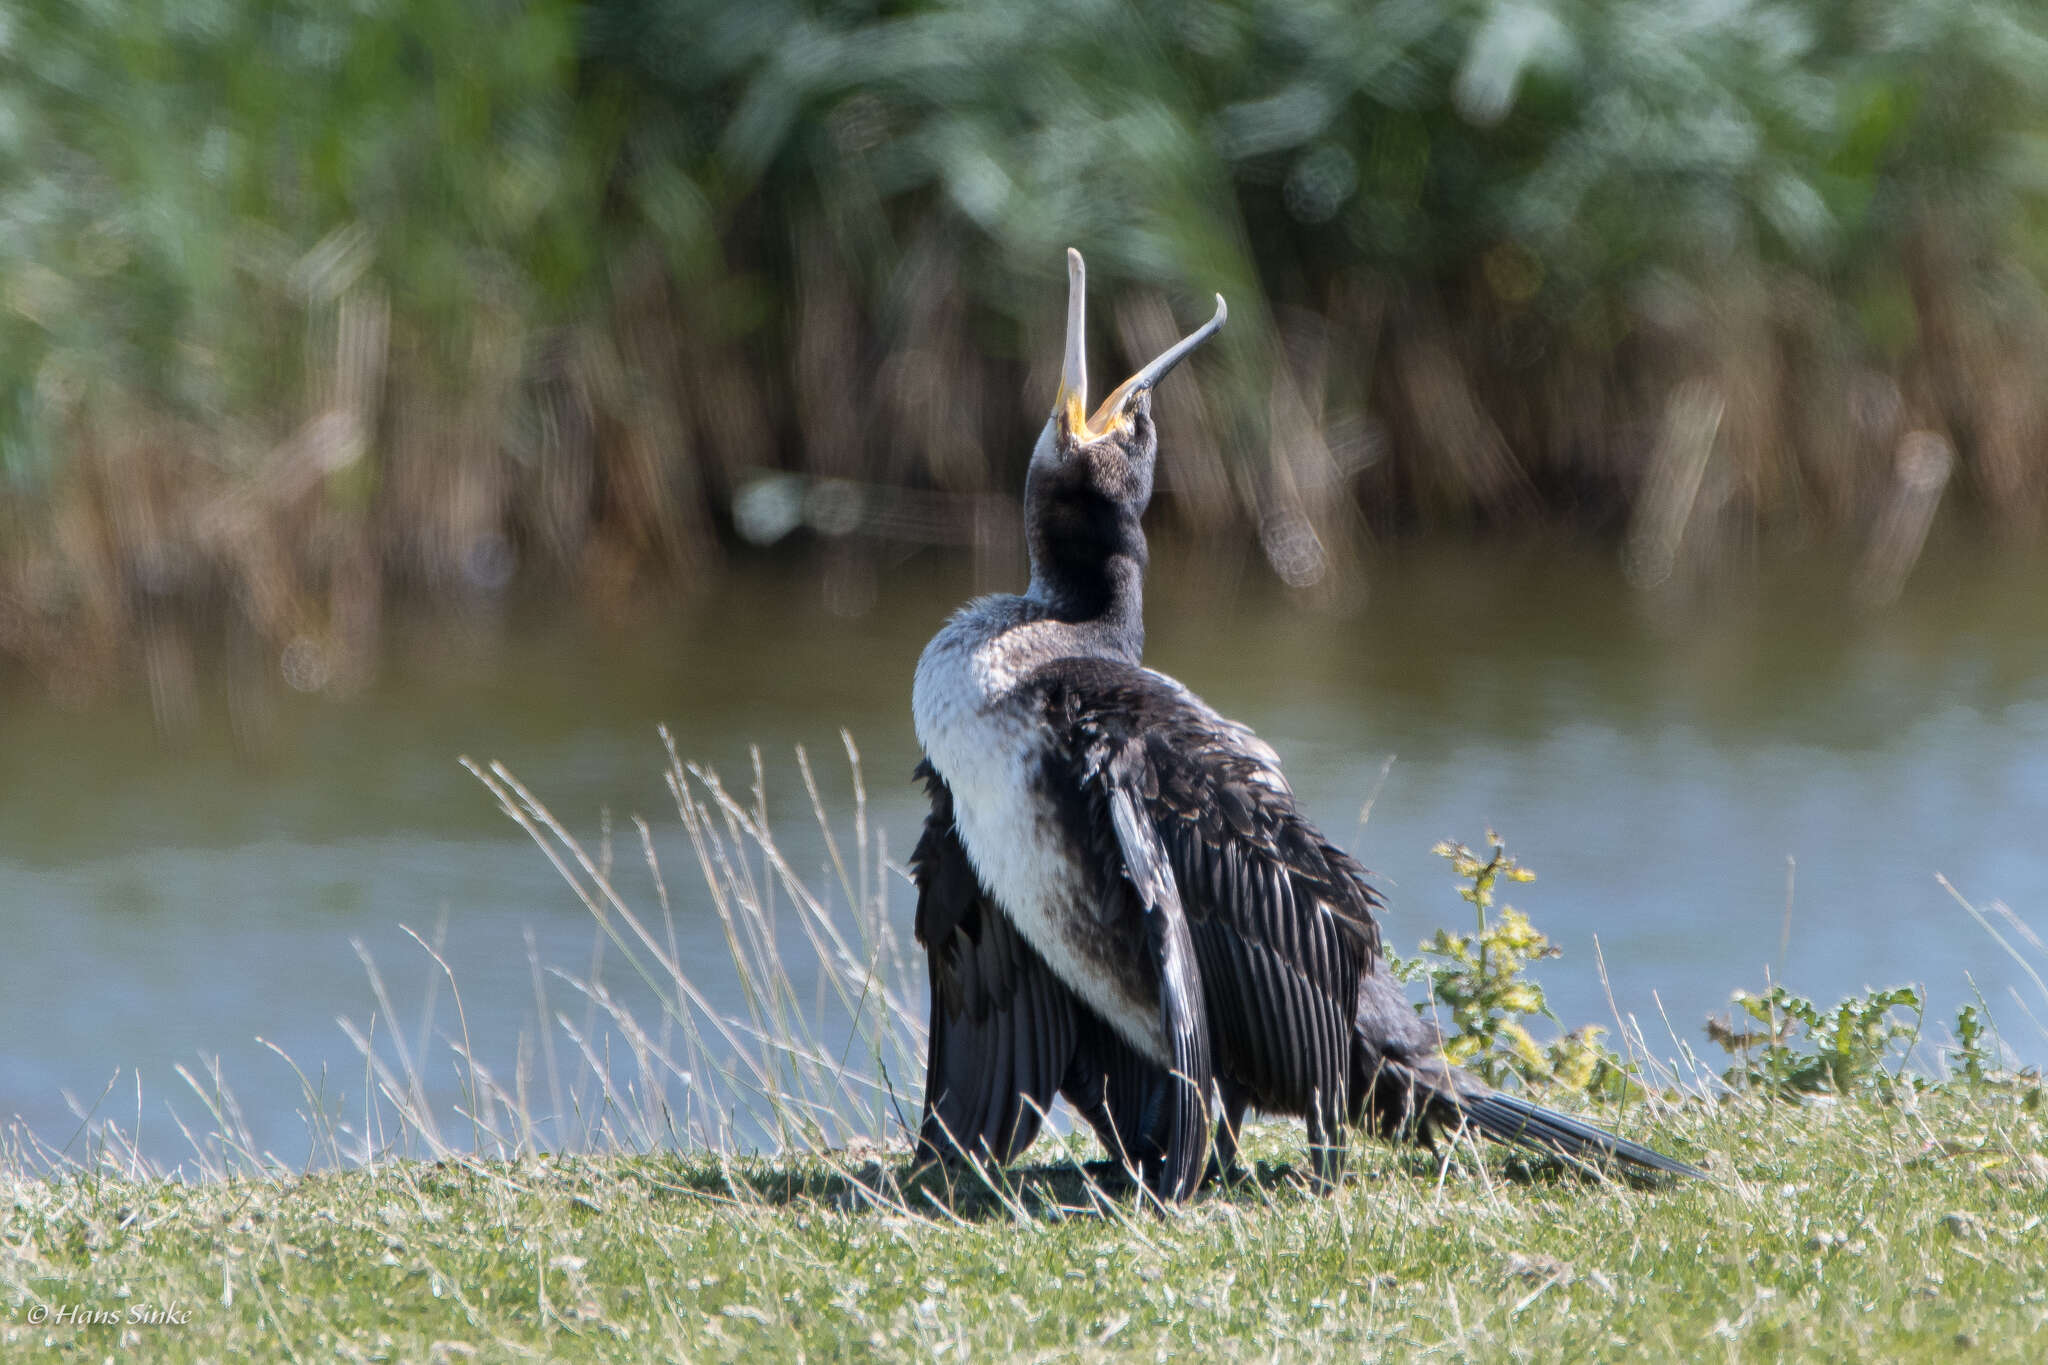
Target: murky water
{"x":1656,"y":764}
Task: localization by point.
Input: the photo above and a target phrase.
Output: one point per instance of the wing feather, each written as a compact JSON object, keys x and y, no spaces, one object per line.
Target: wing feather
{"x":1280,"y":921}
{"x":1003,"y":1028}
{"x":1006,"y":1035}
{"x":1124,"y":786}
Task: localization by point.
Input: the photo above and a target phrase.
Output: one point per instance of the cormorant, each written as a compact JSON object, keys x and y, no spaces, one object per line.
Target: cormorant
{"x":1121,"y":902}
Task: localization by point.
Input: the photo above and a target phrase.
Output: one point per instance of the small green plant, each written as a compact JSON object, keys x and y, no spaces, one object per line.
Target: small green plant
{"x":1974,"y":1055}
{"x":1976,"y":1060}
{"x":1480,"y":981}
{"x":1857,"y":1047}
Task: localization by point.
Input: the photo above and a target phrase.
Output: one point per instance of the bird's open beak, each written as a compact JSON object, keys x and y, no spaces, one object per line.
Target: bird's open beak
{"x":1073,"y":394}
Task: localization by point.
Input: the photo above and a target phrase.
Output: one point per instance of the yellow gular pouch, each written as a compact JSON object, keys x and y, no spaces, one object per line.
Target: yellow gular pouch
{"x":1084,"y":429}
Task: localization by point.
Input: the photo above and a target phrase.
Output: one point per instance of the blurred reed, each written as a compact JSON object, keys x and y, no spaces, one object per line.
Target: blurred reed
{"x":301,"y":309}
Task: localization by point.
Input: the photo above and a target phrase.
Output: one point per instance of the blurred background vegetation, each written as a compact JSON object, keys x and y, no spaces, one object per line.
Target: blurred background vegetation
{"x":307,"y":308}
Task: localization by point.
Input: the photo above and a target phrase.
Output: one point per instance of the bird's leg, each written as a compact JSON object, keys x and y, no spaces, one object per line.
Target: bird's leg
{"x":1153,"y":1169}
{"x":1326,"y":1139}
{"x":1223,"y":1166}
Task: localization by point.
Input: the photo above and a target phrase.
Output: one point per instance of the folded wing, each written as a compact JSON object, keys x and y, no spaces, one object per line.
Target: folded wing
{"x":1280,"y":922}
{"x":1007,"y":1035}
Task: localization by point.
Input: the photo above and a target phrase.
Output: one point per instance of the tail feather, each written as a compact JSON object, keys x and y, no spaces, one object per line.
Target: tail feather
{"x":1510,"y":1119}
{"x":1403,"y":1086}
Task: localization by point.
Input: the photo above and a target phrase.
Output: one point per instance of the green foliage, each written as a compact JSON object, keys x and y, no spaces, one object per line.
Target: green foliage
{"x":1532,"y":168}
{"x":1484,"y":1000}
{"x":1973,"y":1053}
{"x":1477,"y":977}
{"x":1481,"y":995}
{"x":1859,"y":1046}
{"x":183,"y":186}
{"x":1590,"y":135}
{"x":1974,"y":1060}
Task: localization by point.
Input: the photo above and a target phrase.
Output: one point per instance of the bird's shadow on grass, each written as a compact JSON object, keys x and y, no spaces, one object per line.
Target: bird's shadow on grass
{"x":1518,"y":1166}
{"x":1048,"y":1190}
{"x":1053,"y":1190}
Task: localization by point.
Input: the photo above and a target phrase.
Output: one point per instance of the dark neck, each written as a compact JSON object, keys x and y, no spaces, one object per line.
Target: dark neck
{"x":1095,"y":578}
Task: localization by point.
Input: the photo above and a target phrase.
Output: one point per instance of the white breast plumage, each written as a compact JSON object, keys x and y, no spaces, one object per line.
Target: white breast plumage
{"x":988,"y":745}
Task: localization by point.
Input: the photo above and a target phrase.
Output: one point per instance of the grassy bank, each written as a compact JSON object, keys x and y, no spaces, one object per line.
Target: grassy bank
{"x":303,"y":311}
{"x":1843,"y":1232}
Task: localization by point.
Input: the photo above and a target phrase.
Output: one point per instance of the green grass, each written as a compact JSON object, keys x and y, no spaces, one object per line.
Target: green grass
{"x":1837,"y":1232}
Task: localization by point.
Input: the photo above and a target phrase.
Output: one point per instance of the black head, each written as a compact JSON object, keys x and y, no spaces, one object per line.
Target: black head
{"x":1091,"y":476}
